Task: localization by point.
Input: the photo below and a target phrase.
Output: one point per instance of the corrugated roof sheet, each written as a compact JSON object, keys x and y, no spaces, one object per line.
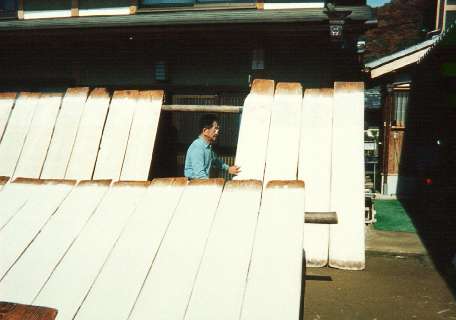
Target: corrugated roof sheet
{"x":245,"y":16}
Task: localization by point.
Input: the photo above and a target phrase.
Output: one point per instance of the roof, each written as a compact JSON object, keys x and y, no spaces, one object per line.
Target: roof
{"x":185,"y":18}
{"x":399,"y":59}
{"x":446,"y":38}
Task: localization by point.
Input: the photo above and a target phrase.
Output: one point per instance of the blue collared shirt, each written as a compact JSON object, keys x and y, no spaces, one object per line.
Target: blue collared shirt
{"x":199,"y":160}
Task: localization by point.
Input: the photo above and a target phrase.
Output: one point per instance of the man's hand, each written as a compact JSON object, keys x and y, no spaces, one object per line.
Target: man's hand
{"x":234,"y":170}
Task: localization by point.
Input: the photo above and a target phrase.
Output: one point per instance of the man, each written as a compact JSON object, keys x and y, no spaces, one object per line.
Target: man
{"x":200,"y":156}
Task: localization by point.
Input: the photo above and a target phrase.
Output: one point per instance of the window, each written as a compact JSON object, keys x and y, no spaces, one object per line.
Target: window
{"x":154,"y":3}
{"x":159,"y":3}
{"x":401,"y":99}
{"x":450,"y":18}
{"x":8,"y":8}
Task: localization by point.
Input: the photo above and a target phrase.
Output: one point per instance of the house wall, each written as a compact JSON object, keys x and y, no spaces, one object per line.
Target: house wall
{"x":205,"y":62}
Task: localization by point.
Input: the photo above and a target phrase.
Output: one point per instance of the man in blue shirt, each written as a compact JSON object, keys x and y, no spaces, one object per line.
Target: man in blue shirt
{"x":200,"y":156}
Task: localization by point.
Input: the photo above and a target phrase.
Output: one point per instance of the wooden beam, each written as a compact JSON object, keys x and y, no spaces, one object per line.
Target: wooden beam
{"x":74,"y":8}
{"x":14,"y":311}
{"x":202,"y":108}
{"x":20,"y":9}
{"x":260,"y":4}
{"x":133,"y":6}
{"x":321,"y":217}
{"x":399,"y":63}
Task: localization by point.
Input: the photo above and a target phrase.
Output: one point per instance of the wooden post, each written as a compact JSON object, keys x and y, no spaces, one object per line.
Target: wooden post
{"x":260,"y":4}
{"x":74,"y":8}
{"x":20,"y":9}
{"x":201,"y":108}
{"x":133,"y":6}
{"x":387,"y":116}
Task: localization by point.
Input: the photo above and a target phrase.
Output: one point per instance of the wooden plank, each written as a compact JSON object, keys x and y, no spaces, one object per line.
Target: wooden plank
{"x":13,"y":197}
{"x":254,"y":131}
{"x":201,"y":108}
{"x":219,"y":288}
{"x":112,"y":297}
{"x":14,"y":311}
{"x":283,"y":144}
{"x":65,"y":131}
{"x":321,"y":217}
{"x":395,"y":141}
{"x":3,"y":181}
{"x":315,"y":169}
{"x":399,"y":63}
{"x":49,"y":247}
{"x":85,"y":150}
{"x":346,"y":240}
{"x":15,"y":133}
{"x":20,"y":9}
{"x":133,"y":6}
{"x":74,"y":8}
{"x":140,"y":147}
{"x":74,"y":276}
{"x":17,"y":235}
{"x":39,"y":136}
{"x":114,"y":11}
{"x":115,"y":135}
{"x":274,"y":280}
{"x":168,"y":287}
{"x":7,"y":100}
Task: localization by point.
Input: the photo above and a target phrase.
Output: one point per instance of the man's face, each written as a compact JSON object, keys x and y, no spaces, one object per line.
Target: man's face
{"x":212,"y":133}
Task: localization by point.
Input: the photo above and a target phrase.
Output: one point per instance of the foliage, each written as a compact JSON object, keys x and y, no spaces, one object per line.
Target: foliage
{"x":401,"y":23}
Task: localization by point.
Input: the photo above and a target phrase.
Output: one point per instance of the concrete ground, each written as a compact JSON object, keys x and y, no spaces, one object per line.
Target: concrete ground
{"x":400,"y":282}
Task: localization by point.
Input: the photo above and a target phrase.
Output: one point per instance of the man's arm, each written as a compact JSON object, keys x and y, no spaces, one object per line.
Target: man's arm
{"x":219,"y":163}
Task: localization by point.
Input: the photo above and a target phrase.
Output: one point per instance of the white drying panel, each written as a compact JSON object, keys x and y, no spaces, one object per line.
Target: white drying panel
{"x":254,"y":131}
{"x":66,"y":128}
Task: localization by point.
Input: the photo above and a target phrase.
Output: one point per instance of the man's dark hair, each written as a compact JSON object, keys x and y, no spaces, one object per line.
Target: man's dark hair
{"x":207,"y":121}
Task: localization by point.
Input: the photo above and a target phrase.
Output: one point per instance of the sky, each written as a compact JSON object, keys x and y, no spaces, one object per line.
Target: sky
{"x":377,"y":3}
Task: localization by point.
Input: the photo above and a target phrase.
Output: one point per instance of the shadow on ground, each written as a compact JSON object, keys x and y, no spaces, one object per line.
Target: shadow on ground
{"x":391,"y":287}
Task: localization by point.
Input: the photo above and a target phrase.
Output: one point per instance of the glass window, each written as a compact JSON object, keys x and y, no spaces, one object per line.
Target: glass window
{"x":153,"y":3}
{"x":8,"y":8}
{"x":40,"y":5}
{"x":450,"y":18}
{"x":101,"y":4}
{"x":401,"y":99}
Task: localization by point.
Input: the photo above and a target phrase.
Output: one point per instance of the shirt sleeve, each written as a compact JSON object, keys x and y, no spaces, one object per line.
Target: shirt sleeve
{"x":196,"y":158}
{"x":219,"y":163}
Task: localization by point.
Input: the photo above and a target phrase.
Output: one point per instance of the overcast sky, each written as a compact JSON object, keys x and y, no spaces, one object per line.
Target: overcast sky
{"x":377,"y":3}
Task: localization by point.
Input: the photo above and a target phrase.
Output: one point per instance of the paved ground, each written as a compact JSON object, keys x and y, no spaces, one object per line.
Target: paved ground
{"x":400,"y":282}
{"x":392,"y":287}
{"x":394,"y":242}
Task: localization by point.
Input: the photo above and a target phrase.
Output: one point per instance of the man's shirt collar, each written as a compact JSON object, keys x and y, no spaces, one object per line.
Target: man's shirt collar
{"x":204,"y":142}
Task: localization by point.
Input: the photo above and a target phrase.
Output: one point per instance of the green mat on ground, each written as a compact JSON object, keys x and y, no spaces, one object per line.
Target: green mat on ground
{"x":392,"y":216}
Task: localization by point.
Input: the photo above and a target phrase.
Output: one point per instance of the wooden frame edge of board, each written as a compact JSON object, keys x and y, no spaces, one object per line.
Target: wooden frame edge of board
{"x":74,"y":8}
{"x":9,"y":310}
{"x":285,"y":184}
{"x":133,"y":6}
{"x":260,"y":4}
{"x":4,"y":179}
{"x":20,"y":9}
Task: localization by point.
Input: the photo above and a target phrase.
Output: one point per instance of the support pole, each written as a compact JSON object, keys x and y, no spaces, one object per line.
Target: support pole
{"x":321,"y":217}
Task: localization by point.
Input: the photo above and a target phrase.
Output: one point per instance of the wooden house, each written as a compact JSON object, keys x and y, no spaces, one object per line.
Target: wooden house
{"x":409,"y":79}
{"x":200,"y":52}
